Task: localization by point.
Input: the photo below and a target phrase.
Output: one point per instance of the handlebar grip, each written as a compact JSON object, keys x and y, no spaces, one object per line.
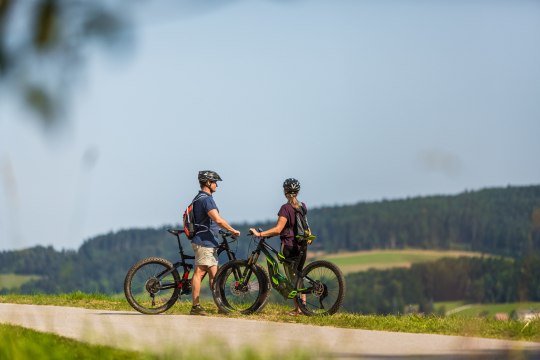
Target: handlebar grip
{"x":225,"y":233}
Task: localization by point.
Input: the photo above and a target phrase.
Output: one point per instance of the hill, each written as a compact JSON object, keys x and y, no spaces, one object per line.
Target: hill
{"x":501,"y":221}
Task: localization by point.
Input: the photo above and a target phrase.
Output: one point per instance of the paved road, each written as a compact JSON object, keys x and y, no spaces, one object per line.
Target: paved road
{"x":159,"y":333}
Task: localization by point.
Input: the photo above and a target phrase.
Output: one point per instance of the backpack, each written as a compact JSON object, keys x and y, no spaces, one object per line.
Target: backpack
{"x":302,"y":232}
{"x":189,"y":218}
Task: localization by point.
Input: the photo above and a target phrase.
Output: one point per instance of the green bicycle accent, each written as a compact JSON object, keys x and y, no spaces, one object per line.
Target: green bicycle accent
{"x":244,"y":286}
{"x":292,"y":294}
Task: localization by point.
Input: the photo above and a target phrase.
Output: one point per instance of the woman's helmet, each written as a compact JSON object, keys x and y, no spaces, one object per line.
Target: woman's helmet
{"x":291,"y":186}
{"x":208,"y":175}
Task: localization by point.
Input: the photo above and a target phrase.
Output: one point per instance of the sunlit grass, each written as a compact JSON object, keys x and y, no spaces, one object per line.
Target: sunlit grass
{"x":20,"y":343}
{"x":24,"y":344}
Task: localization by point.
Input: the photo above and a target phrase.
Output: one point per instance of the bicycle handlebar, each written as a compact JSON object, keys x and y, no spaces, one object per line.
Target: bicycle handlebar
{"x":259,"y":230}
{"x":225,"y":234}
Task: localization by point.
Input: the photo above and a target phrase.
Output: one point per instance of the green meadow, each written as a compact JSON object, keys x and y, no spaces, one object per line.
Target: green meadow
{"x":14,"y":281}
{"x":458,"y":308}
{"x":351,"y":262}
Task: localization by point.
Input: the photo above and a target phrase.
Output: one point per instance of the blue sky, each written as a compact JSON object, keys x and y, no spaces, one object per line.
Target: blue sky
{"x":359,"y":100}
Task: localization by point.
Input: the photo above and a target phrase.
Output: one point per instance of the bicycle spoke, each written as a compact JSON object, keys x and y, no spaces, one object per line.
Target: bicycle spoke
{"x":324,"y":289}
{"x":245,"y":293}
{"x":146,"y":291}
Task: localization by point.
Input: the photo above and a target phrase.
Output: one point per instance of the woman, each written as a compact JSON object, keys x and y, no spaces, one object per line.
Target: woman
{"x":285,"y":225}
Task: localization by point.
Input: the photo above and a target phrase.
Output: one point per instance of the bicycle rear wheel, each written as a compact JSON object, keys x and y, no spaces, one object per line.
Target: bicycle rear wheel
{"x":240,"y":287}
{"x":321,"y":288}
{"x":147,"y":290}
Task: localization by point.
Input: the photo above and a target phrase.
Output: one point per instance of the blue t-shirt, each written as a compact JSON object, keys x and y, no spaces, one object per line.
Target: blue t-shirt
{"x":206,"y":230}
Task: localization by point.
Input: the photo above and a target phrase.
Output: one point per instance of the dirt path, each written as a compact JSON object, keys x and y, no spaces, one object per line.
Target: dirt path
{"x":160,"y":333}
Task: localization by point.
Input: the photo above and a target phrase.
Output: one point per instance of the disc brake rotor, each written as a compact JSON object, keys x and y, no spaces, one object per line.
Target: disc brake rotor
{"x":318,"y":288}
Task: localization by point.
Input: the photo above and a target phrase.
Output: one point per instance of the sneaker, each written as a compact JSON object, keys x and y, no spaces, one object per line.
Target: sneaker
{"x":198,"y":310}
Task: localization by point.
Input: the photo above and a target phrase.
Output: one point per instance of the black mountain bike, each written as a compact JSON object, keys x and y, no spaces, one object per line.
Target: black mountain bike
{"x":153,"y":285}
{"x":319,"y":289}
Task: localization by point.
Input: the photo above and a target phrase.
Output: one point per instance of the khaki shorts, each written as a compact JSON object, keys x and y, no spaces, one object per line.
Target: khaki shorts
{"x":205,"y":256}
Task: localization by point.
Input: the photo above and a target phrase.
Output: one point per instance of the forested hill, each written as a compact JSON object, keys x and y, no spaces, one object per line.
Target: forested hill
{"x":504,"y":221}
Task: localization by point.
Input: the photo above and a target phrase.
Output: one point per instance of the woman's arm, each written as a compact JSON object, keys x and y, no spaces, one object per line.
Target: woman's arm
{"x":276,"y":230}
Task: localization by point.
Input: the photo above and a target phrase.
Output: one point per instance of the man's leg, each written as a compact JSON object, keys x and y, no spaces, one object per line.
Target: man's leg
{"x":212,"y":270}
{"x":196,"y":289}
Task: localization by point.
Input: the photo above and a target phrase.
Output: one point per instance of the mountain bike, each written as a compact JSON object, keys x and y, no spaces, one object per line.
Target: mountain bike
{"x":153,"y":285}
{"x":319,"y":289}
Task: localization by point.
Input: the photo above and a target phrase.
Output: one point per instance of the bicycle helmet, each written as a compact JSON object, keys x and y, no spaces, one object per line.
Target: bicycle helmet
{"x":208,"y":175}
{"x":291,"y":186}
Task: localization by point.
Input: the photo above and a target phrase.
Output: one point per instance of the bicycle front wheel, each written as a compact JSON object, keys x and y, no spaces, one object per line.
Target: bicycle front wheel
{"x":240,"y":287}
{"x":146,"y":288}
{"x":321,"y":288}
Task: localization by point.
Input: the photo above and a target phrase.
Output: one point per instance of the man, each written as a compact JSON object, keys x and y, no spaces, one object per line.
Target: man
{"x":206,"y":239}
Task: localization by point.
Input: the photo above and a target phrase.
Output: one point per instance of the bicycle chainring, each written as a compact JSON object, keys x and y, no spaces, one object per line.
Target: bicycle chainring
{"x":152,"y":285}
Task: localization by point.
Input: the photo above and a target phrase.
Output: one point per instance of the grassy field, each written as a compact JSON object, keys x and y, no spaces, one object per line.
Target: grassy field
{"x":348,"y":262}
{"x":458,"y":308}
{"x":385,"y":259}
{"x":13,"y":281}
{"x":19,"y":343}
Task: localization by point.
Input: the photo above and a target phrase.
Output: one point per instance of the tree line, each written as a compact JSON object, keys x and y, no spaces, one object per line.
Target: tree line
{"x":470,"y":279}
{"x":501,"y":221}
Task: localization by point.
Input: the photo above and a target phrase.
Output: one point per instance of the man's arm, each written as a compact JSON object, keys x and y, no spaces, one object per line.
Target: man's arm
{"x":222,"y":223}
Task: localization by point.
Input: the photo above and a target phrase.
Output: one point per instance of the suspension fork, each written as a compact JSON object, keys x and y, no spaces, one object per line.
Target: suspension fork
{"x":243,"y":278}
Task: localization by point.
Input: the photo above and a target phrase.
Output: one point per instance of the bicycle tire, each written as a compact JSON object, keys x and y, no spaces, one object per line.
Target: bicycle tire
{"x":145,"y":292}
{"x":231,"y":296}
{"x":266,"y":285}
{"x":327,"y":289}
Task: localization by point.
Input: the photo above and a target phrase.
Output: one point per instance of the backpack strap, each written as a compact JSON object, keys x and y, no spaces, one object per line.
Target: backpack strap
{"x":302,"y":210}
{"x":197,"y":198}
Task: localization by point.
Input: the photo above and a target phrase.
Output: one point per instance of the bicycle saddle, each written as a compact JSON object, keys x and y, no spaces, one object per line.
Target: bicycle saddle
{"x":175,"y":231}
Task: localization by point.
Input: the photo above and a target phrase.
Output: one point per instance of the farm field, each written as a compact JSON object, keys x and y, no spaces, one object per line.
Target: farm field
{"x":14,"y":281}
{"x":350,"y":262}
{"x":459,"y":308}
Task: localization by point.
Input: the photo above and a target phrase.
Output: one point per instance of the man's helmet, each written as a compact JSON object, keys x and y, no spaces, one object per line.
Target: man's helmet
{"x":208,"y":175}
{"x":291,"y":186}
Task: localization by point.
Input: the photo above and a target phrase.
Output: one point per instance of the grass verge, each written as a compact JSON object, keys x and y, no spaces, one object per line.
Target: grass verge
{"x":20,"y":343}
{"x":24,"y":344}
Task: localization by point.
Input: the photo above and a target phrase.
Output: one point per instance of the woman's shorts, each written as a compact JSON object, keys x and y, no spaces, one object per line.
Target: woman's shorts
{"x":205,"y":256}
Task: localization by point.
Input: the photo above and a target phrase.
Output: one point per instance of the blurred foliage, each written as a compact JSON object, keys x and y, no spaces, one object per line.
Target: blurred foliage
{"x":43,"y":44}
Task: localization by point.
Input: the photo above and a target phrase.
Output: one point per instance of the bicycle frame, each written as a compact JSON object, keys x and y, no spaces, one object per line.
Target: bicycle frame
{"x":273,"y":268}
{"x":187,"y":267}
{"x":244,"y":286}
